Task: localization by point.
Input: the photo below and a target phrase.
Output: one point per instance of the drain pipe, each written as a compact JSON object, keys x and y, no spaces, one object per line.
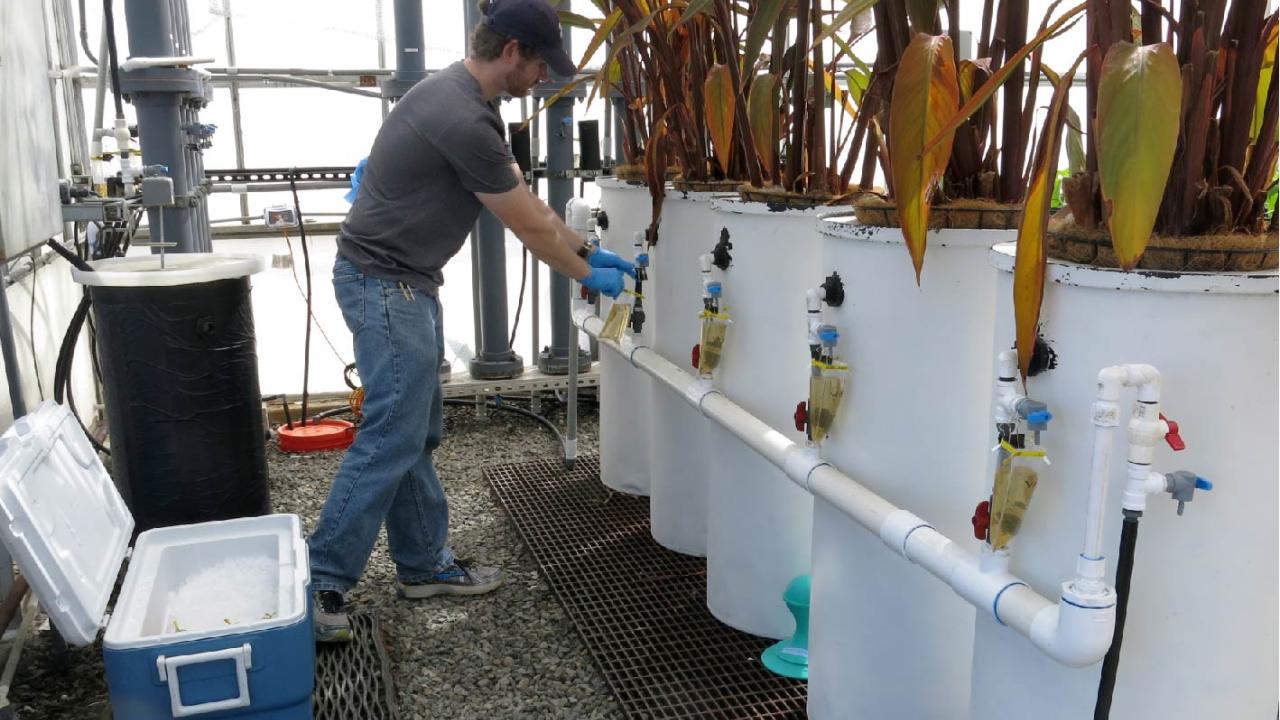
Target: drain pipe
{"x":1073,"y":633}
{"x":578,"y":214}
{"x":1147,"y":427}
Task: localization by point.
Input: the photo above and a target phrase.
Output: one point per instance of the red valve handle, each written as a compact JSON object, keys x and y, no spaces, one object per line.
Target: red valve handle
{"x":981,"y":520}
{"x":696,"y":356}
{"x":801,"y":416}
{"x":1172,"y":437}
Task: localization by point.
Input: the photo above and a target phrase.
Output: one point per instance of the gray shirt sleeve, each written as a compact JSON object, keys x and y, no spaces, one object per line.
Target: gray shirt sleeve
{"x":480,"y":156}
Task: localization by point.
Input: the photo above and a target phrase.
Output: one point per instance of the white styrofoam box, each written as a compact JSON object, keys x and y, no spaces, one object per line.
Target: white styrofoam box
{"x":64,"y":520}
{"x":258,"y":563}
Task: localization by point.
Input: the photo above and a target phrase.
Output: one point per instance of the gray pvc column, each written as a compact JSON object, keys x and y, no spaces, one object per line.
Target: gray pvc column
{"x":150,"y":24}
{"x":554,"y":360}
{"x":411,"y":61}
{"x":495,"y":359}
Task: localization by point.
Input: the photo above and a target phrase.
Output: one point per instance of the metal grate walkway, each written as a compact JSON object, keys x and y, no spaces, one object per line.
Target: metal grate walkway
{"x":640,"y":608}
{"x":353,"y":680}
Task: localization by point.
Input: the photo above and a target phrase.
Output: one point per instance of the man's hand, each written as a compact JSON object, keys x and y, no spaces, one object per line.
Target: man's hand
{"x":602,"y":258}
{"x":605,"y":280}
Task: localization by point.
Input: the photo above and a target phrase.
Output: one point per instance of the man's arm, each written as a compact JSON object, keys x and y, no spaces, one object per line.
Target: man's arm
{"x":538,"y":227}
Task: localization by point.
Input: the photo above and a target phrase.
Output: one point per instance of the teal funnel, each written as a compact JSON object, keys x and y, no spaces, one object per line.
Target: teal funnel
{"x":790,"y":657}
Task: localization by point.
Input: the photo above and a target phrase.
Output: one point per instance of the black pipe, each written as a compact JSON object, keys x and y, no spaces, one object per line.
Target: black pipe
{"x":1124,"y":575}
{"x":109,"y":18}
{"x":306,"y":264}
{"x":517,"y":410}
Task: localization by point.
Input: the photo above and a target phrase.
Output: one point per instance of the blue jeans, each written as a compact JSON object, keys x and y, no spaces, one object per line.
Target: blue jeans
{"x":387,"y":473}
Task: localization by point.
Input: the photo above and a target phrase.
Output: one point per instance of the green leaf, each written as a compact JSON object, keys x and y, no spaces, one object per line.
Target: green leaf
{"x":1139,"y":103}
{"x":925,"y":93}
{"x":1264,"y":83}
{"x":762,"y":114}
{"x":576,"y":20}
{"x":1029,"y":264}
{"x":720,"y":106}
{"x":758,"y":28}
{"x":858,"y":82}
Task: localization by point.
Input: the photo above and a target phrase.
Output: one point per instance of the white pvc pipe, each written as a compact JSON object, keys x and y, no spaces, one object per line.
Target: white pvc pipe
{"x":153,"y":62}
{"x":1076,"y":633}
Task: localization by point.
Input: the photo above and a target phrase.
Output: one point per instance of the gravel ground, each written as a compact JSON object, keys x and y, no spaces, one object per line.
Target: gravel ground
{"x":511,"y":654}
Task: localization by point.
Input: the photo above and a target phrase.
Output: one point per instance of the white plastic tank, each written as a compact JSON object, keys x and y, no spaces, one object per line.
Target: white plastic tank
{"x":625,"y":391}
{"x":759,"y":522}
{"x":912,"y":428}
{"x":1201,"y":635}
{"x":678,"y":458}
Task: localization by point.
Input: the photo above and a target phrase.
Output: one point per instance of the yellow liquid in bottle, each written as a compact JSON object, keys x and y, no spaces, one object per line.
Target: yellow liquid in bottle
{"x":616,"y":322}
{"x":1014,"y":485}
{"x":713,"y":334}
{"x":826,"y":390}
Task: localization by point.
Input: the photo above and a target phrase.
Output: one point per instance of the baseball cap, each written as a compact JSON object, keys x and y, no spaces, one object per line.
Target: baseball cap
{"x":534,"y":23}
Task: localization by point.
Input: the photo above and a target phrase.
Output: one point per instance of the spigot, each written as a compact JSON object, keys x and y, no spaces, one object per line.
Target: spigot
{"x":637,"y":318}
{"x":801,"y":416}
{"x":1173,"y":438}
{"x":602,"y":219}
{"x":1182,"y":486}
{"x":981,"y":520}
{"x":720,"y":256}
{"x":833,"y":288}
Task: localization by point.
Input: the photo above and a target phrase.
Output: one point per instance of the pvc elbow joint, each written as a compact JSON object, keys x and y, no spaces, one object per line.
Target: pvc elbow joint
{"x":1074,"y":635}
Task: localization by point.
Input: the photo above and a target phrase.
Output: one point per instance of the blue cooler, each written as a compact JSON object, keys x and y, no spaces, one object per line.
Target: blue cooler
{"x":213,"y":619}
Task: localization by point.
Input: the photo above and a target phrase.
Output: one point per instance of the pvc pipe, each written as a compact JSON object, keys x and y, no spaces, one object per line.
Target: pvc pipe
{"x":138,"y":63}
{"x":1075,"y":632}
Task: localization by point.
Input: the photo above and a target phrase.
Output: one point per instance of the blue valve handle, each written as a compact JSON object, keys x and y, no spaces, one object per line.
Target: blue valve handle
{"x":1203,"y":484}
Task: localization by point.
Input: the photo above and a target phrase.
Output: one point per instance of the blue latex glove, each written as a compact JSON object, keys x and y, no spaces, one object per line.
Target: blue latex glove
{"x":356,"y":177}
{"x":604,"y":280}
{"x":602,"y":258}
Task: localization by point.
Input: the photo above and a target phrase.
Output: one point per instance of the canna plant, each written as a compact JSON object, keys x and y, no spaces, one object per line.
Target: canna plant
{"x":935,"y":156}
{"x":1181,"y":145}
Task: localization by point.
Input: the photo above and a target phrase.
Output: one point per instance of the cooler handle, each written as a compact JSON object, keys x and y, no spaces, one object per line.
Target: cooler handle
{"x":168,"y":667}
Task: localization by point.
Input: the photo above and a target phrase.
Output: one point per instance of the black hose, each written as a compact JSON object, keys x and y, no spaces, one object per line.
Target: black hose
{"x":109,"y":18}
{"x":518,"y":411}
{"x":524,"y":275}
{"x":62,"y":371}
{"x":306,"y":264}
{"x":1124,"y":575}
{"x":84,"y":36}
{"x":68,"y":255}
{"x":288,"y":417}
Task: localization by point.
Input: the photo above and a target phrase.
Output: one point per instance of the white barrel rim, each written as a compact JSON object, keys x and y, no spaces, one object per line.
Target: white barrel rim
{"x":845,"y":226}
{"x":1265,"y":282}
{"x":179,"y":269}
{"x":616,"y":183}
{"x":734,"y":205}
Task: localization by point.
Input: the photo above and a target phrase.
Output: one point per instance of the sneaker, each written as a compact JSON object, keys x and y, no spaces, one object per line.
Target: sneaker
{"x":461,"y":578}
{"x":329,"y":617}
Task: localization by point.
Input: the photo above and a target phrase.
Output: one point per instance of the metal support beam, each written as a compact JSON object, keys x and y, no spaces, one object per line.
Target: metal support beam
{"x":411,"y":63}
{"x":554,"y":360}
{"x":237,"y":130}
{"x":495,"y":358}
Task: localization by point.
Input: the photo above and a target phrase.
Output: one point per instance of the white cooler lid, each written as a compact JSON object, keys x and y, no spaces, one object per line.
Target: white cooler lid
{"x":63,"y":520}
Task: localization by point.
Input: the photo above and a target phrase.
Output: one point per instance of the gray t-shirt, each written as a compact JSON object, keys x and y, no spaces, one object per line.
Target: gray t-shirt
{"x":440,"y":146}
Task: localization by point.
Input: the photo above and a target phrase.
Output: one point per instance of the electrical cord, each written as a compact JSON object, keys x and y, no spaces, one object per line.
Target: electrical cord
{"x":109,"y":17}
{"x":306,"y":261}
{"x":316,"y":320}
{"x":550,"y":426}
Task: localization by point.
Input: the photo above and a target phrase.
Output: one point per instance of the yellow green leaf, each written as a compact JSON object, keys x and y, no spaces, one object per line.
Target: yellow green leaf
{"x":1139,"y":102}
{"x":858,"y":81}
{"x":575,"y":20}
{"x":925,"y":94}
{"x":1029,"y":265}
{"x":720,"y":106}
{"x":602,"y":33}
{"x":1264,"y":83}
{"x":762,"y":114}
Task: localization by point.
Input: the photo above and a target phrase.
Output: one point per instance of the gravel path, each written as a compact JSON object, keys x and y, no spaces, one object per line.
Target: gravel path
{"x":511,"y":654}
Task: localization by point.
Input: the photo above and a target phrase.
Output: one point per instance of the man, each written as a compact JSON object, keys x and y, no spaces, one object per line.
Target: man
{"x":438,"y":158}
